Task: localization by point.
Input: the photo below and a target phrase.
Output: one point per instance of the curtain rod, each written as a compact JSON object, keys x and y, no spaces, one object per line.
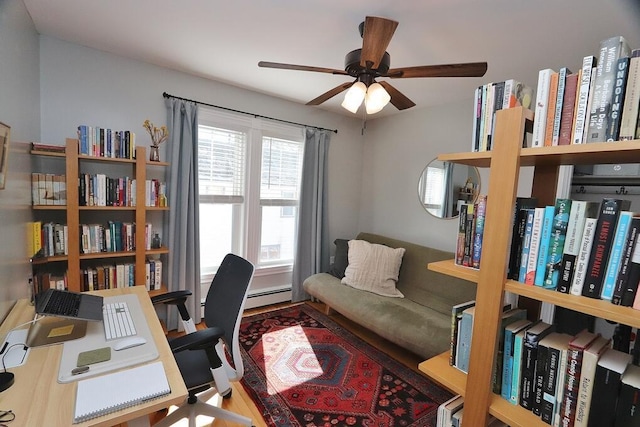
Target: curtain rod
{"x":166,"y":95}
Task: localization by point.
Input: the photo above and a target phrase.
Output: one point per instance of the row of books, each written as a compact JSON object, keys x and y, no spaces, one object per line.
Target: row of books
{"x":490,"y":98}
{"x":101,"y":190}
{"x":45,"y":280}
{"x":101,"y":142}
{"x":116,"y":236}
{"x":597,"y":103}
{"x":451,"y":413}
{"x":48,"y":189}
{"x":121,"y":276}
{"x":47,"y":239}
{"x":556,"y":374}
{"x":470,"y":232}
{"x":583,"y":248}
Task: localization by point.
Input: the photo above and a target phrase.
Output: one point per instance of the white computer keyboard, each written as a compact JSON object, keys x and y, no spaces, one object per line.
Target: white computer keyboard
{"x":117,"y":320}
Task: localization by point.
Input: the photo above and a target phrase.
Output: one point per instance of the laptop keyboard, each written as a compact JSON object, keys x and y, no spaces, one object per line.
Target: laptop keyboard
{"x":63,"y":304}
{"x":117,"y":320}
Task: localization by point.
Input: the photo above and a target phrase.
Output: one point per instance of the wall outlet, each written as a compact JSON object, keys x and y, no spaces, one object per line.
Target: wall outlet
{"x":332,"y":259}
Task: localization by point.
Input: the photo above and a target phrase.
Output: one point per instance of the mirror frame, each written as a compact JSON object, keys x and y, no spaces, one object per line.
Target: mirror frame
{"x":461,"y":188}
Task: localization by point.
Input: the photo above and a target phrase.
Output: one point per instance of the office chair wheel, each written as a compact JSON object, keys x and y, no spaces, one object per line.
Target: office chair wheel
{"x":228,"y":395}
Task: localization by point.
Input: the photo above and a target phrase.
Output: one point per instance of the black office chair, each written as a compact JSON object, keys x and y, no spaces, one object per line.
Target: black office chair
{"x":203,"y":355}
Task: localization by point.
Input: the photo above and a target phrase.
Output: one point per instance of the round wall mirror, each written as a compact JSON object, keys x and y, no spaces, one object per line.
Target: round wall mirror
{"x":445,"y":186}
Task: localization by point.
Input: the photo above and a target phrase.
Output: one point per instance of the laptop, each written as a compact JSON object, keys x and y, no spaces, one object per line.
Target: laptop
{"x":71,"y":305}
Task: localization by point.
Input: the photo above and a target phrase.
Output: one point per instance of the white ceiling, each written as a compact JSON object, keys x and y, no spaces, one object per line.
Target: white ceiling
{"x":224,"y":40}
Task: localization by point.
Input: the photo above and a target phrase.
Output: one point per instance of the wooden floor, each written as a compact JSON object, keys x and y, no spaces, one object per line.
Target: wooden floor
{"x":240,"y":401}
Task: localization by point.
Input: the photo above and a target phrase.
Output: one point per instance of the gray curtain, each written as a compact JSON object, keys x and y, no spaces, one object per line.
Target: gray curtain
{"x":182,"y":230}
{"x":447,"y":205}
{"x":312,"y":249}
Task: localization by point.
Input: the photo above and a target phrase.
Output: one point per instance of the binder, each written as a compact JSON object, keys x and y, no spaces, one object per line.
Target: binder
{"x":109,"y":393}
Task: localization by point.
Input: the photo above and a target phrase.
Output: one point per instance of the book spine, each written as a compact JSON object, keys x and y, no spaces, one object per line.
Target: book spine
{"x":518,"y":226}
{"x":634,"y":276}
{"x":516,"y":374}
{"x":469,"y":229}
{"x":464,"y":343}
{"x":526,"y":245}
{"x":557,"y":116}
{"x":529,"y":366}
{"x":550,"y":385}
{"x":572,"y":243}
{"x":610,"y":50}
{"x":482,"y":143}
{"x":625,"y":264}
{"x":551,"y":110}
{"x":613,"y":265}
{"x":588,"y":64}
{"x":507,"y":364}
{"x":632,"y":98}
{"x":585,"y":390}
{"x":556,"y":243}
{"x":536,"y":231}
{"x":571,"y":385}
{"x":545,"y":239}
{"x":542,"y":366}
{"x":479,"y":230}
{"x":456,"y":315}
{"x":477,"y":109}
{"x":606,"y":386}
{"x":583,"y":256}
{"x":603,"y":237}
{"x":568,"y":109}
{"x":612,"y":132}
{"x":462,"y":221}
{"x":542,"y":97}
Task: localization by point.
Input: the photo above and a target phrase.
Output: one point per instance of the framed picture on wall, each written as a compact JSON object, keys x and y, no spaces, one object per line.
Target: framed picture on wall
{"x":5,"y":132}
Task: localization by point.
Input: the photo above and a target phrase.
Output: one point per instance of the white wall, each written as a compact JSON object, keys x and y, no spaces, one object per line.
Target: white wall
{"x":19,"y":108}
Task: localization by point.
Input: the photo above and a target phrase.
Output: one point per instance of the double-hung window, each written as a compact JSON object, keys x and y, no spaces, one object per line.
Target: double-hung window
{"x":249,"y":173}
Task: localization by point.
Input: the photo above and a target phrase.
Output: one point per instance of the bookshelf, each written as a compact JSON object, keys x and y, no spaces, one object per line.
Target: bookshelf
{"x":74,"y":212}
{"x":504,"y":162}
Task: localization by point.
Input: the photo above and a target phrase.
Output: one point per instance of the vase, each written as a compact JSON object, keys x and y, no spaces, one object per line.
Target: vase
{"x":154,"y":154}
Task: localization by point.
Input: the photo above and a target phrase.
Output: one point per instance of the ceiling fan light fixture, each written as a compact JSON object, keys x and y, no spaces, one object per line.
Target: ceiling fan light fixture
{"x":354,"y":97}
{"x":376,"y":99}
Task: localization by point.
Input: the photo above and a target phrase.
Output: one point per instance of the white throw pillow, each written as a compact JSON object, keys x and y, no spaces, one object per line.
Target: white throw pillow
{"x":373,"y":268}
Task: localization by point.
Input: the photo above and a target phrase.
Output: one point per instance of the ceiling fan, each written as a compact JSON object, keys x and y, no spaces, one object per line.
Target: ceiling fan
{"x":371,"y":62}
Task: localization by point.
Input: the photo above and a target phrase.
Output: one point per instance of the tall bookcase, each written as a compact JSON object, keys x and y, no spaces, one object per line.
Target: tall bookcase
{"x":504,"y":162}
{"x":75,"y":258}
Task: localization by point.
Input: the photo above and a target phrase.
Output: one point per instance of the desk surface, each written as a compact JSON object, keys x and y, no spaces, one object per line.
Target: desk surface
{"x":38,"y":399}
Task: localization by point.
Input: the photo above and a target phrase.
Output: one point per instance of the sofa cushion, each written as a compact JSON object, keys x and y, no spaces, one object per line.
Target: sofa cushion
{"x":373,"y":268}
{"x":340,"y":259}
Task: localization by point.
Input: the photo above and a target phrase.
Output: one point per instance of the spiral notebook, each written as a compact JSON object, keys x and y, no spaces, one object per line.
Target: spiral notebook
{"x":109,"y":393}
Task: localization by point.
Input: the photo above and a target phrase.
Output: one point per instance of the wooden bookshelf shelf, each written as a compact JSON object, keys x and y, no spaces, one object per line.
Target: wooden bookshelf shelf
{"x":450,"y":268}
{"x":49,"y":207}
{"x":47,"y":153}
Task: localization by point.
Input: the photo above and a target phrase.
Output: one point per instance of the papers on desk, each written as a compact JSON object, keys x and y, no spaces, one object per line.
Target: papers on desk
{"x":109,"y":393}
{"x":14,"y":352}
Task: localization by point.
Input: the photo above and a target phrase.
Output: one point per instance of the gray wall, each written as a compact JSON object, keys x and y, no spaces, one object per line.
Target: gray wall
{"x":19,"y":108}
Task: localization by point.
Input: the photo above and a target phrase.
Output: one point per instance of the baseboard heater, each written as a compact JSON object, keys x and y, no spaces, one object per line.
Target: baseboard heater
{"x":265,"y":293}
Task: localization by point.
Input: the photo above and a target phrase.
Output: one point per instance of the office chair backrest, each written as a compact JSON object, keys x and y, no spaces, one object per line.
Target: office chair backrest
{"x":225,"y":302}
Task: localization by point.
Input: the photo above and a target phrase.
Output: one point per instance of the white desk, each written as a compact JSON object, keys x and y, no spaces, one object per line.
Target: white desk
{"x":38,"y":399}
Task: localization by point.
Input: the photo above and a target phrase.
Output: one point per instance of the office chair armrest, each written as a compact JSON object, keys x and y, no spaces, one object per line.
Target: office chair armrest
{"x":173,"y":297}
{"x":199,"y":340}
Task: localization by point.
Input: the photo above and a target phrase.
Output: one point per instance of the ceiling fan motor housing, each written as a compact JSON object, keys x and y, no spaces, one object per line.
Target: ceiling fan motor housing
{"x":353,"y":67}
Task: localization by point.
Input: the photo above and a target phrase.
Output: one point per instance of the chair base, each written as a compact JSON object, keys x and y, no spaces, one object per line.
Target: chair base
{"x":199,"y":407}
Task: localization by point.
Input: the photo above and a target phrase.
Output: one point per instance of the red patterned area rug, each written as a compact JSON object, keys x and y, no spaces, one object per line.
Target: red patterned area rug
{"x":302,"y":369}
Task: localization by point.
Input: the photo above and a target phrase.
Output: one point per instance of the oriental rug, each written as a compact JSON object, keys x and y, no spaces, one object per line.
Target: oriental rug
{"x":302,"y":369}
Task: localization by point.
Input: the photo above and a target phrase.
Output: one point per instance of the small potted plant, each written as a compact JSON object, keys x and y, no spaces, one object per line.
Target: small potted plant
{"x":158,"y":136}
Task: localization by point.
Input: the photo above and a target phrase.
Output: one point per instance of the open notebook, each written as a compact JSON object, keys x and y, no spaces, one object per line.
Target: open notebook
{"x":109,"y":393}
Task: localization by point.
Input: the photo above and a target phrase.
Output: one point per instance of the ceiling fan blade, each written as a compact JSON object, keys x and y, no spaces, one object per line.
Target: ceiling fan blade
{"x":376,"y":36}
{"x":265,"y":64}
{"x":398,"y":100}
{"x":330,"y":94}
{"x":470,"y":69}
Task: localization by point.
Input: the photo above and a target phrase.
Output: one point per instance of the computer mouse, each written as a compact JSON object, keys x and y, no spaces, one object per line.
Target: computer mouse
{"x":129,"y":342}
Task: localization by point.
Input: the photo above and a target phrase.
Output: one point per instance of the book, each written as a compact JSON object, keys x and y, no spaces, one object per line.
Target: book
{"x":551,"y":108}
{"x":614,"y":119}
{"x":469,"y":229}
{"x":634,"y":276}
{"x":568,"y":109}
{"x":545,"y":240}
{"x":613,"y":264}
{"x":542,"y":99}
{"x":480,"y":209}
{"x":575,"y":352}
{"x":532,"y":261}
{"x":610,"y":50}
{"x":601,"y":248}
{"x":580,"y":210}
{"x":557,"y":117}
{"x":516,"y":375}
{"x":456,"y":315}
{"x":516,"y":94}
{"x":477,"y":111}
{"x":510,"y":332}
{"x":590,"y":358}
{"x":464,"y":339}
{"x":606,"y":387}
{"x":508,"y":317}
{"x":556,"y":243}
{"x":586,"y":75}
{"x":518,"y":226}
{"x":583,"y":256}
{"x":628,"y":409}
{"x":623,"y":294}
{"x":526,"y":245}
{"x":462,"y":222}
{"x":112,"y":392}
{"x":632,"y":98}
{"x":447,"y":409}
{"x":529,"y":362}
{"x":553,"y":350}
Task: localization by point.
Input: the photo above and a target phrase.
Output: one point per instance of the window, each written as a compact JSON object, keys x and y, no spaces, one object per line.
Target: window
{"x":249,"y":174}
